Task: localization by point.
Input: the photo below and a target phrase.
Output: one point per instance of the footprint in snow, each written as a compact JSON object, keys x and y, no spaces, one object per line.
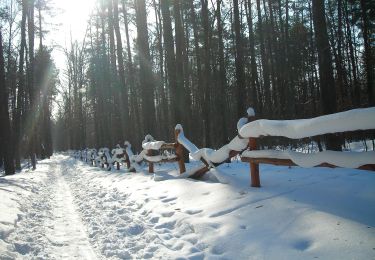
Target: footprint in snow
{"x":120,"y":211}
{"x":167,"y":225}
{"x":193,"y":211}
{"x":168,"y":199}
{"x":217,"y":250}
{"x":178,"y":247}
{"x":167,"y":214}
{"x":154,"y":220}
{"x":192,"y":240}
{"x":302,"y":245}
{"x":242,"y":192}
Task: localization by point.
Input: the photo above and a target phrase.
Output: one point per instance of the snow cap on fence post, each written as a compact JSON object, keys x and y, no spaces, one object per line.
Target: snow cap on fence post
{"x":127,"y":144}
{"x":148,"y":138}
{"x":250,"y":112}
{"x":179,"y":127}
{"x":244,"y":120}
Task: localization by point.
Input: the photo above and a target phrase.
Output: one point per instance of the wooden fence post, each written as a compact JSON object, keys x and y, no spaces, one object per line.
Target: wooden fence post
{"x":127,"y":159}
{"x":150,"y":164}
{"x":179,"y":152}
{"x":254,"y":167}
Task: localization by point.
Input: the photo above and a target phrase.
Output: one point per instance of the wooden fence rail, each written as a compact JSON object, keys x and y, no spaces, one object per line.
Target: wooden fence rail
{"x":356,"y":119}
{"x":245,"y":145}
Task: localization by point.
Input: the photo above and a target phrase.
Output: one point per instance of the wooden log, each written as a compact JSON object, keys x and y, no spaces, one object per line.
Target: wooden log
{"x":179,"y":152}
{"x":198,"y":174}
{"x":254,"y":166}
{"x":367,"y":167}
{"x":127,"y":160}
{"x":164,"y":160}
{"x":118,"y":166}
{"x":288,"y":162}
{"x":168,"y":146}
{"x":274,"y":161}
{"x":150,"y":164}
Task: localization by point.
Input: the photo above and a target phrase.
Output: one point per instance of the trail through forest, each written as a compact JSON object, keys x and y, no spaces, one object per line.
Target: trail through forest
{"x":51,"y":226}
{"x":68,"y":210}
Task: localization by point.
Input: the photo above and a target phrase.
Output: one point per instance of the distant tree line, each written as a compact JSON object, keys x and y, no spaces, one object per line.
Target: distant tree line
{"x":146,"y":65}
{"x":28,"y":79}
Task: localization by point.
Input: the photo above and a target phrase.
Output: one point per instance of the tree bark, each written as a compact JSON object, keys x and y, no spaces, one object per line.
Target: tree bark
{"x":206,"y":76}
{"x":21,"y":89}
{"x":327,"y":82}
{"x":146,"y":75}
{"x":368,"y":55}
{"x":222,"y":101}
{"x":170,"y":60}
{"x":239,"y":63}
{"x":33,"y":106}
{"x":266,"y":76}
{"x":5,"y":129}
{"x":124,"y":103}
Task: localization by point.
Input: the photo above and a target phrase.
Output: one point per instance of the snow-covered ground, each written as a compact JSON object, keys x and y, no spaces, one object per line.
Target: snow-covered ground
{"x":67,"y":209}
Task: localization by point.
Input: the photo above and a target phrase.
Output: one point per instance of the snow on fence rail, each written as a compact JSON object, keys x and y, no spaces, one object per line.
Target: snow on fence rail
{"x":245,"y":145}
{"x":212,"y":158}
{"x":352,"y":120}
{"x":153,"y":152}
{"x":106,"y":158}
{"x":160,"y":151}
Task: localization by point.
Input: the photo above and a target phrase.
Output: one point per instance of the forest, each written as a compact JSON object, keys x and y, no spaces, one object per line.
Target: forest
{"x":145,"y":65}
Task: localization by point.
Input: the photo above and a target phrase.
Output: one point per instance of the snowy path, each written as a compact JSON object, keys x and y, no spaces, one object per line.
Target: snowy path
{"x":51,"y":228}
{"x":66,"y":231}
{"x":69,"y":210}
{"x":120,"y":225}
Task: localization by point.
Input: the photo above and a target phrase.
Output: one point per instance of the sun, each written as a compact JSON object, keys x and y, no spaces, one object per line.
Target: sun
{"x":74,"y":16}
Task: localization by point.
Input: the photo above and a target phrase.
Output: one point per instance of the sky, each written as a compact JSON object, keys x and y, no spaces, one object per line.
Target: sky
{"x":71,"y":19}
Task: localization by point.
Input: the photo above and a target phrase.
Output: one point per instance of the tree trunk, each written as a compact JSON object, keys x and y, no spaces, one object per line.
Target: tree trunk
{"x":356,"y":86}
{"x":146,"y":75}
{"x":33,"y":106}
{"x":222,"y":101}
{"x":170,"y":60}
{"x":368,"y":55}
{"x":21,"y":89}
{"x":266,"y":77}
{"x":206,"y":76}
{"x":180,"y":92}
{"x":5,"y":129}
{"x":134,"y":116}
{"x":327,"y":82}
{"x":239,"y":63}
{"x":124,"y":103}
{"x":254,"y":79}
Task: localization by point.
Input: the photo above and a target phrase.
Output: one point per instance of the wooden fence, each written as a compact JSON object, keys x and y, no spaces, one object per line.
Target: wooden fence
{"x":245,"y":145}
